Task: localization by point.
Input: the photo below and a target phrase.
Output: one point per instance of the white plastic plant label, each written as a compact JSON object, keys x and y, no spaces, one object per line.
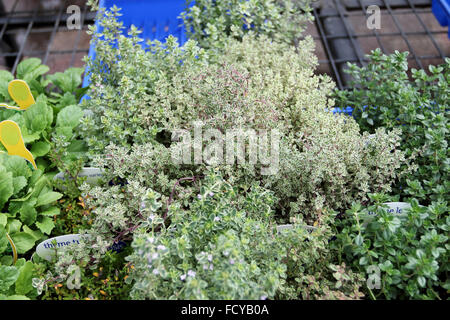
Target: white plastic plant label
{"x":92,"y":175}
{"x":47,"y":249}
{"x":398,"y":208}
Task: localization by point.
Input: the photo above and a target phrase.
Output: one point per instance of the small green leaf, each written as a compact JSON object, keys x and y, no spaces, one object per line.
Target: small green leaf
{"x":363,"y":261}
{"x":359,"y":240}
{"x":421,"y":281}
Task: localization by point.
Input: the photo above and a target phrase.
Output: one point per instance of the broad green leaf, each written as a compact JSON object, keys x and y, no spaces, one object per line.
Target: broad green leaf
{"x":46,"y":225}
{"x":64,"y":131}
{"x":23,"y":241}
{"x":5,"y":78}
{"x":19,"y":183}
{"x":42,"y":69}
{"x":8,"y":276}
{"x":66,"y":100}
{"x":13,"y":226}
{"x":40,"y":149}
{"x":3,"y":240}
{"x":48,"y":198}
{"x":6,"y":260}
{"x":28,"y":213}
{"x":359,"y":240}
{"x":38,"y":117}
{"x":35,"y":176}
{"x":363,"y":261}
{"x":75,"y":150}
{"x":15,"y":164}
{"x":31,"y":137}
{"x":69,"y":116}
{"x":6,"y":186}
{"x":42,"y":163}
{"x":36,"y":87}
{"x":77,"y":146}
{"x":421,"y":281}
{"x":26,"y":66}
{"x":30,"y":69}
{"x":23,"y":282}
{"x":36,"y":234}
{"x":68,"y":81}
{"x":39,"y":186}
{"x":53,"y":211}
{"x":3,"y":219}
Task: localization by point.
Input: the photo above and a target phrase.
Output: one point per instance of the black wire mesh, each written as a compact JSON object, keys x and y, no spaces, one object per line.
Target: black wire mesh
{"x":406,"y":25}
{"x":30,"y":28}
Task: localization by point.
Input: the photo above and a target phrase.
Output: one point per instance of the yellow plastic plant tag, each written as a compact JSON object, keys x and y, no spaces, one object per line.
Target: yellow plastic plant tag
{"x":21,"y":94}
{"x":4,"y":105}
{"x":11,"y":138}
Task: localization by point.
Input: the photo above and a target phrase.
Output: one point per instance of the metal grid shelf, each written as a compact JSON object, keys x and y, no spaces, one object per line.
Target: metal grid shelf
{"x":30,"y":28}
{"x":410,"y":27}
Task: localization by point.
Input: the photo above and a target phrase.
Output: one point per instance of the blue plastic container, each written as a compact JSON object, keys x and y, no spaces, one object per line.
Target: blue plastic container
{"x":156,"y":18}
{"x":441,"y":10}
{"x":347,"y":110}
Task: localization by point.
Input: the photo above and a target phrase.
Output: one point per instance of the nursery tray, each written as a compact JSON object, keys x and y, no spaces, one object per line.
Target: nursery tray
{"x":156,"y":18}
{"x":441,"y":10}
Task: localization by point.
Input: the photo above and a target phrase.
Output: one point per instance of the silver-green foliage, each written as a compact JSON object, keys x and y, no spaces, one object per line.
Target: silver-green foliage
{"x":211,"y":22}
{"x":225,"y":245}
{"x":222,"y":248}
{"x":141,"y":96}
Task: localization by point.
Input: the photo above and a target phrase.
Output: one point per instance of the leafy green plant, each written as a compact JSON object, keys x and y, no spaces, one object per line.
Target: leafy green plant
{"x":410,"y":250}
{"x":27,"y":196}
{"x":55,"y":115}
{"x":16,"y":280}
{"x":211,"y":22}
{"x":384,"y":96}
{"x":223,"y":247}
{"x":105,"y":282}
{"x":26,"y":202}
{"x":226,"y":245}
{"x":143,"y":96}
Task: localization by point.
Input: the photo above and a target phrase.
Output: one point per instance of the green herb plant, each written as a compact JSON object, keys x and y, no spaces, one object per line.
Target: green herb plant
{"x":383,"y":95}
{"x":410,"y":250}
{"x":211,"y":22}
